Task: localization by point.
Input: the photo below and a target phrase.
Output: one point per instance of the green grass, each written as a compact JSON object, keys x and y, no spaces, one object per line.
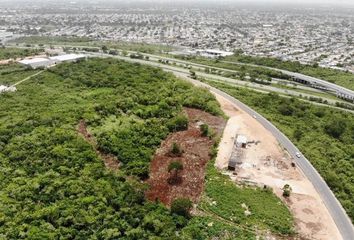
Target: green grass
{"x":224,"y":198}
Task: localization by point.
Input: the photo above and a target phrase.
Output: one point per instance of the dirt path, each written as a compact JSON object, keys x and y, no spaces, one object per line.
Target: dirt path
{"x":265,"y":163}
{"x":196,"y":154}
{"x":110,"y":161}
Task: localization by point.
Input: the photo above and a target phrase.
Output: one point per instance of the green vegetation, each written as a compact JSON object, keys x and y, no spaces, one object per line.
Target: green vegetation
{"x":13,"y":53}
{"x":324,"y":135}
{"x":175,"y":150}
{"x":85,"y":41}
{"x":178,"y":123}
{"x":52,"y":182}
{"x":175,"y":166}
{"x":12,"y":73}
{"x":40,"y":40}
{"x":182,"y":206}
{"x":54,"y":185}
{"x":246,"y":73}
{"x":205,"y":130}
{"x":286,"y":190}
{"x":344,"y":79}
{"x":226,"y":200}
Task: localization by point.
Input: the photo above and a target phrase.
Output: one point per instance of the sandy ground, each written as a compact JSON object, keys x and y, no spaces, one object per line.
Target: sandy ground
{"x":266,"y":163}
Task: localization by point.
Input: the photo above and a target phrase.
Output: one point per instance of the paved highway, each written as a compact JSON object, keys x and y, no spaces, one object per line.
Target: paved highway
{"x":334,"y":207}
{"x":341,"y":91}
{"x":254,"y":86}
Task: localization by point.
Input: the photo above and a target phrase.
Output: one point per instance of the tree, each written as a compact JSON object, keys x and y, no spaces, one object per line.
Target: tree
{"x":335,"y":127}
{"x":286,"y":190}
{"x":176,"y":149}
{"x":204,"y":128}
{"x":174,"y":168}
{"x":182,"y":206}
{"x":298,"y":134}
{"x":178,"y":123}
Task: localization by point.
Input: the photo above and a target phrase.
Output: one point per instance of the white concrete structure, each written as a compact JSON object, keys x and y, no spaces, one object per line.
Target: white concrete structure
{"x":4,"y":36}
{"x":241,"y":141}
{"x":40,"y":62}
{"x":67,"y":58}
{"x":211,"y":53}
{"x":35,"y":63}
{"x":4,"y":88}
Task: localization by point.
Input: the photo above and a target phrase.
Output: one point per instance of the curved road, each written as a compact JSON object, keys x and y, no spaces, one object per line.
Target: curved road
{"x":334,"y":207}
{"x":342,"y":91}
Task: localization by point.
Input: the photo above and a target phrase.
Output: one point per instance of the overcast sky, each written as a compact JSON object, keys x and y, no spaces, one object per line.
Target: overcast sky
{"x":335,"y":3}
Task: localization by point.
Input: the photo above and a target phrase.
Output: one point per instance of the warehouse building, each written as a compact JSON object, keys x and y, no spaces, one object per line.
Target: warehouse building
{"x":40,"y":62}
{"x":67,"y":58}
{"x":36,"y":63}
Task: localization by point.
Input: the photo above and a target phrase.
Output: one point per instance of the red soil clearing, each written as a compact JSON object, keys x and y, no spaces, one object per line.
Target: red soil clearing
{"x":196,"y":154}
{"x":109,"y":160}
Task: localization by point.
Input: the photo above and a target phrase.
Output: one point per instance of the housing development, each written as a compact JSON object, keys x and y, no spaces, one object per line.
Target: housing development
{"x":297,"y":34}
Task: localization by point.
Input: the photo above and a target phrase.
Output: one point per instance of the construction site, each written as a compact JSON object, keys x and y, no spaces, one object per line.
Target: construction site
{"x":251,"y":156}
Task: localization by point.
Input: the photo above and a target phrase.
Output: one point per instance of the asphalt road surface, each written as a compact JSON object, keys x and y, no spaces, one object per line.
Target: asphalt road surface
{"x":329,"y":85}
{"x":334,"y":207}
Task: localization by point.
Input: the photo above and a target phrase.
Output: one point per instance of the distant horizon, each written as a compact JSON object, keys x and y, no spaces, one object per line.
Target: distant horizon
{"x":221,"y":2}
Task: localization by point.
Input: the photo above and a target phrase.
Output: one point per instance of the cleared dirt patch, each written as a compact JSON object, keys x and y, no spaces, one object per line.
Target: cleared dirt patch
{"x":266,"y":163}
{"x":110,"y":160}
{"x":196,"y":154}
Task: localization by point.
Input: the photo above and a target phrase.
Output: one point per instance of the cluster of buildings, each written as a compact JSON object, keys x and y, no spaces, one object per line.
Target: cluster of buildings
{"x":5,"y":36}
{"x":325,"y":37}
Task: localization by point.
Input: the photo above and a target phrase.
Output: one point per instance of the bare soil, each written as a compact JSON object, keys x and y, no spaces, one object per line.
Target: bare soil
{"x":110,"y":161}
{"x":196,"y":154}
{"x":266,"y":163}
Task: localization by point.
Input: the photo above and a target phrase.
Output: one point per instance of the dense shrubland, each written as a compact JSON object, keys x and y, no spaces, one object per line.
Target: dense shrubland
{"x":324,"y":135}
{"x":13,"y":53}
{"x":52,"y":182}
